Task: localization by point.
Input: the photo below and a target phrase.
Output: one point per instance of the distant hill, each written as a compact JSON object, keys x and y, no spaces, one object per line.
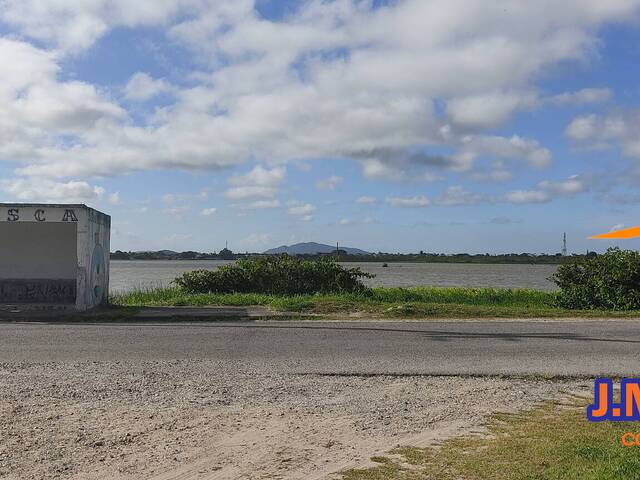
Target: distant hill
{"x":311,"y":248}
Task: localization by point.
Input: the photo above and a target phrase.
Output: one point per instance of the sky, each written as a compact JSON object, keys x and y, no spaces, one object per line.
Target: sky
{"x":397,"y":126}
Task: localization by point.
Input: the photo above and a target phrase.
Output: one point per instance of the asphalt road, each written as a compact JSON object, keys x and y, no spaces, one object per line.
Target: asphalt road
{"x":445,"y":348}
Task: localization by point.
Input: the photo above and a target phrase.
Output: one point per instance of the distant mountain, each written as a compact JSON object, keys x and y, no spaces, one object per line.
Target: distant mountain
{"x":311,"y":248}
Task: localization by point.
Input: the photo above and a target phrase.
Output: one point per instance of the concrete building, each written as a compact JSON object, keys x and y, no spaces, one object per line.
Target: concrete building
{"x":53,"y":257}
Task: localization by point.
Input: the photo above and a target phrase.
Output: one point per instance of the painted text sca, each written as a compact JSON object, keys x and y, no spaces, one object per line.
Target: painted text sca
{"x":605,"y":409}
{"x":40,"y":215}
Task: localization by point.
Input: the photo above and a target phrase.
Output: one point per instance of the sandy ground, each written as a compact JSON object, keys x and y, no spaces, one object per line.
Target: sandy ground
{"x":199,"y":419}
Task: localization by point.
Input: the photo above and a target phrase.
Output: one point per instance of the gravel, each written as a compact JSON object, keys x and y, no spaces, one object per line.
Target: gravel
{"x":206,"y":419}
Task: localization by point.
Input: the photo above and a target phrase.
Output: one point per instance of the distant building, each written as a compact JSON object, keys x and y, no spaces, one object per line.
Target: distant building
{"x":53,"y":257}
{"x":226,"y":254}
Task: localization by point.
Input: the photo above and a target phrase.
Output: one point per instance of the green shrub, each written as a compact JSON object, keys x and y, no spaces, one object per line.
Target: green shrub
{"x":610,"y":281}
{"x":281,"y":275}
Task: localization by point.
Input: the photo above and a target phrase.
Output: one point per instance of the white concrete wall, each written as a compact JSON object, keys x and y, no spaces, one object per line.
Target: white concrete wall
{"x":94,"y":234}
{"x":59,"y":252}
{"x":38,"y":250}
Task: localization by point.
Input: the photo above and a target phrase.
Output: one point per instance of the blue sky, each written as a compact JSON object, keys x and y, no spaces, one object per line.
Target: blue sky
{"x":443,"y":126}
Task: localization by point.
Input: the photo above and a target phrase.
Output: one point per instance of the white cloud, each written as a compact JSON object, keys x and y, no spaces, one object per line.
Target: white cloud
{"x":281,"y":91}
{"x":569,"y":187}
{"x":586,"y":96}
{"x":259,"y":183}
{"x":208,"y":212}
{"x":583,"y":128}
{"x":44,"y":190}
{"x":259,"y":205}
{"x":408,"y":202}
{"x":330,"y":183}
{"x":304,"y":211}
{"x":618,"y":128}
{"x":457,"y":195}
{"x":177,"y":211}
{"x":512,"y":148}
{"x":346,"y":222}
{"x":76,"y":25}
{"x":173,"y":198}
{"x":528,"y":196}
{"x":142,"y":87}
{"x":548,"y":190}
{"x":488,"y":110}
{"x":364,"y":200}
{"x":114,"y":198}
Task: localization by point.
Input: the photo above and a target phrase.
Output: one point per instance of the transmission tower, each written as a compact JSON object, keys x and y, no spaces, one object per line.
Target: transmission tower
{"x":564,"y":245}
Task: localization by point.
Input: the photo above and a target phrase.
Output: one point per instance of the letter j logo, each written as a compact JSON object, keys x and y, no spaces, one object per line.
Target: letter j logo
{"x":605,"y":409}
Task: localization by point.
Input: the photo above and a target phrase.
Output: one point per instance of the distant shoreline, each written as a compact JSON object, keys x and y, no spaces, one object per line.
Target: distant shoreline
{"x":389,"y":259}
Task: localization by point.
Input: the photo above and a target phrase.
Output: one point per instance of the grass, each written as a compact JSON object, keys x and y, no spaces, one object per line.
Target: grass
{"x":422,"y":302}
{"x":551,"y":442}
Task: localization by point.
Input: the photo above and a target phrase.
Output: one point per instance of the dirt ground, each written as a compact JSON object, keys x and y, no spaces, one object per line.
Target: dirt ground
{"x":199,"y":419}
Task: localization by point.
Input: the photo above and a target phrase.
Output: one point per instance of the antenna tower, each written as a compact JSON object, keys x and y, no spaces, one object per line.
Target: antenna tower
{"x":564,"y":245}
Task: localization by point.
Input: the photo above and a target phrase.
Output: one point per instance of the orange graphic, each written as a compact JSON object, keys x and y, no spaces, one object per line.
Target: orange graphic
{"x":632,"y":232}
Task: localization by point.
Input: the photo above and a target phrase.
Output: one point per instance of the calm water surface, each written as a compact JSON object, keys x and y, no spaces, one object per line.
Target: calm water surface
{"x":127,"y":275}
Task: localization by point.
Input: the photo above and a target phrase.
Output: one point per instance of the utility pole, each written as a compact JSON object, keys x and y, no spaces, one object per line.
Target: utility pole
{"x":564,"y":245}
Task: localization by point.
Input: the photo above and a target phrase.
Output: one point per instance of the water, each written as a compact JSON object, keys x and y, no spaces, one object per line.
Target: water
{"x":127,"y":275}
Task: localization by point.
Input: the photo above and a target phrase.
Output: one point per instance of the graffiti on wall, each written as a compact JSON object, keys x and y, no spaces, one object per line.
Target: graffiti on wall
{"x":38,"y":291}
{"x":98,"y":274}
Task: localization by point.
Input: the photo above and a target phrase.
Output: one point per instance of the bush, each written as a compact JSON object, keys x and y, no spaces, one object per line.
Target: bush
{"x":282,"y":275}
{"x":610,"y":281}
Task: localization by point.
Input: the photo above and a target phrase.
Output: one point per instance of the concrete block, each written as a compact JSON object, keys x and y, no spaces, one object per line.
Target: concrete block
{"x":53,"y":257}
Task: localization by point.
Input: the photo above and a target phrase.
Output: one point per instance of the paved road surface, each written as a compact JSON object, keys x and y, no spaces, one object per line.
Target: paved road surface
{"x":558,"y":348}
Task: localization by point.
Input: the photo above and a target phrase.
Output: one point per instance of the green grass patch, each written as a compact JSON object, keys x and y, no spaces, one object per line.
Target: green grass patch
{"x":551,"y":442}
{"x":422,"y":302}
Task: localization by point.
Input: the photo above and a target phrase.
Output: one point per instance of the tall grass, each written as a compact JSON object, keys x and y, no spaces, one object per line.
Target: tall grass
{"x":465,"y":296}
{"x":388,"y":302}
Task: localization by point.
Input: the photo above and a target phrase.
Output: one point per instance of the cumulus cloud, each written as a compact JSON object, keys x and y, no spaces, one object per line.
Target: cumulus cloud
{"x":503,"y":148}
{"x":619,"y":129}
{"x":488,"y":110}
{"x":340,"y":79}
{"x":44,"y":190}
{"x":457,"y":195}
{"x":76,"y":25}
{"x":177,"y":211}
{"x":365,"y":200}
{"x":528,"y":196}
{"x":548,"y":190}
{"x":571,"y":186}
{"x":259,"y":205}
{"x":114,"y":198}
{"x":330,"y":183}
{"x":285,"y":76}
{"x":142,"y":87}
{"x":586,"y":96}
{"x":172,"y":198}
{"x":301,"y":210}
{"x":208,"y":212}
{"x":408,"y":202}
{"x":259,"y":183}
